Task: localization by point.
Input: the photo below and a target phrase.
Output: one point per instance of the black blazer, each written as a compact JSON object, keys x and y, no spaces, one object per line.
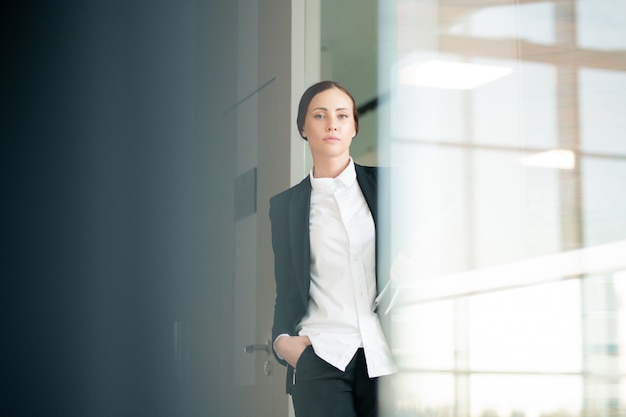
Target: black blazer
{"x":289,"y":215}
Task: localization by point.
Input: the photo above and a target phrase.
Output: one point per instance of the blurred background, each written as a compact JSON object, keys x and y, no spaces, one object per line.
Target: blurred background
{"x":506,"y":134}
{"x":141,"y":142}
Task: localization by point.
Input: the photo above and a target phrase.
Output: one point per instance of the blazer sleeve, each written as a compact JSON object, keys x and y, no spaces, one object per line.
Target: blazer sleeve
{"x":288,"y":309}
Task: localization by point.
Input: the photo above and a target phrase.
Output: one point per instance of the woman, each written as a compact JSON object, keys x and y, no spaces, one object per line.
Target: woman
{"x":326,"y":329}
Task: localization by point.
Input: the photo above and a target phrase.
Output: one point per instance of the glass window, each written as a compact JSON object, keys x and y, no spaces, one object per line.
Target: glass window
{"x":533,"y":22}
{"x":506,"y":134}
{"x":600,"y":24}
{"x":602,"y":107}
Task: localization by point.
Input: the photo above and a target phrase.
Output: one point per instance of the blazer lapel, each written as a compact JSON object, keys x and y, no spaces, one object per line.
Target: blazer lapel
{"x":369,"y":187}
{"x":299,"y":210}
{"x":368,"y":179}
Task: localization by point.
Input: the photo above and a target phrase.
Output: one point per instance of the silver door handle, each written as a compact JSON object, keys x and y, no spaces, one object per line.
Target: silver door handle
{"x":267,"y":367}
{"x":252,"y":348}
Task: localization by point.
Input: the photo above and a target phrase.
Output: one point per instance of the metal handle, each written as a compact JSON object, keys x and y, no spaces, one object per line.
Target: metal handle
{"x":252,"y":348}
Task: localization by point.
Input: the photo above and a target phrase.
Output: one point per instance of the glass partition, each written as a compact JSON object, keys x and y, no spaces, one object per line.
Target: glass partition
{"x":505,"y":127}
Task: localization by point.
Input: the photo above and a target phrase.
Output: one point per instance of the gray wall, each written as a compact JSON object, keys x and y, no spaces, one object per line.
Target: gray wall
{"x":111,"y":185}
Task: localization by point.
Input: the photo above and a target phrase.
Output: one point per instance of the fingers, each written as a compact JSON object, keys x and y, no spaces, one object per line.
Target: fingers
{"x":290,"y":348}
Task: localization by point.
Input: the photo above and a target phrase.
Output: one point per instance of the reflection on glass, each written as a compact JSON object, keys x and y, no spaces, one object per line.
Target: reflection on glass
{"x":503,"y":114}
{"x":526,"y":395}
{"x":604,"y":199}
{"x":508,"y":202}
{"x":420,"y":394}
{"x":424,"y":336}
{"x":602,"y":109}
{"x":533,"y":22}
{"x":450,"y":74}
{"x":545,"y":337}
{"x":600,"y":24}
{"x":554,"y":158}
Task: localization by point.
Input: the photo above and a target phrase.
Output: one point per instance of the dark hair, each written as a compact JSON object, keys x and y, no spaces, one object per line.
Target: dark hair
{"x":314,"y":90}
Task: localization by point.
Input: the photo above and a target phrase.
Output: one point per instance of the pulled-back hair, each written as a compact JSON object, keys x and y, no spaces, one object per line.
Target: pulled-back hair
{"x":314,"y":90}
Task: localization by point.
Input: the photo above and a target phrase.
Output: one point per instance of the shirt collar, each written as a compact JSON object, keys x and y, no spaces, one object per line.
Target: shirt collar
{"x":346,"y":178}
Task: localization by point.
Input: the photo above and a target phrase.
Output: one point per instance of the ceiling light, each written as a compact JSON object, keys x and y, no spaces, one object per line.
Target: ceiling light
{"x":450,"y":74}
{"x":554,"y":158}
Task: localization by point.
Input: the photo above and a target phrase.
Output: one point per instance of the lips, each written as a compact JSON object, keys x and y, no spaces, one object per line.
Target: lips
{"x":332,"y":139}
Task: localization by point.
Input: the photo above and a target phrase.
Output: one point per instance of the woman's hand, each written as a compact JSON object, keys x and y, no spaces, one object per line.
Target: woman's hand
{"x":291,"y":347}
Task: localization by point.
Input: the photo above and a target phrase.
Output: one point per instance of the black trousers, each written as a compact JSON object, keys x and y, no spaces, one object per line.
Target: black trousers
{"x":321,"y":390}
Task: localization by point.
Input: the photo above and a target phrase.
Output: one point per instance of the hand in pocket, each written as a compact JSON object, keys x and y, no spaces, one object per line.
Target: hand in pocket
{"x":291,"y":347}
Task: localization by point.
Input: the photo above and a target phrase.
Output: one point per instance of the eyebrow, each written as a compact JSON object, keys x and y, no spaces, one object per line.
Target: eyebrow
{"x":325,"y":109}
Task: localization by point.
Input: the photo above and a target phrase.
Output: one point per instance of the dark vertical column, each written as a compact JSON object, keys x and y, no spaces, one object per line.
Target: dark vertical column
{"x":110,"y":187}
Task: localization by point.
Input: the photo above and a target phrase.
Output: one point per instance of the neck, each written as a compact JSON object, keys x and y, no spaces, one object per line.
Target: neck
{"x":329,"y":167}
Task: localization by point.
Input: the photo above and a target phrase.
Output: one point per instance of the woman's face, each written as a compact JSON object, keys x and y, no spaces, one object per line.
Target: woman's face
{"x":329,"y":124}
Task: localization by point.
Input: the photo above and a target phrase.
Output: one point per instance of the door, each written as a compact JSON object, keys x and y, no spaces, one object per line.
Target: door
{"x":256,"y":129}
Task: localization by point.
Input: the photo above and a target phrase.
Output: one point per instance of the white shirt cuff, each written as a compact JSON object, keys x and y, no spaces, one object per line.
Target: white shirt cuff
{"x":274,"y":344}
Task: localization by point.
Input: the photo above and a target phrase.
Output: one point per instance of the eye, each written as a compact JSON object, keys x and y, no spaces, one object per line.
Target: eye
{"x":343,"y":116}
{"x":318,"y":116}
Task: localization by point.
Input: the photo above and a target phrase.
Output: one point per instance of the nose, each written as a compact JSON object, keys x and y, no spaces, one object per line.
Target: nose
{"x":332,"y":124}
